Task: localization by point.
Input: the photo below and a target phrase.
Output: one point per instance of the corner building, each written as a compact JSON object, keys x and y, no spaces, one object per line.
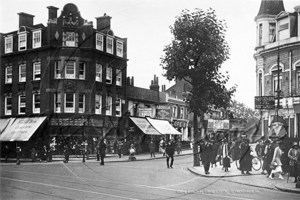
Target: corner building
{"x":69,"y":71}
{"x":278,"y":61}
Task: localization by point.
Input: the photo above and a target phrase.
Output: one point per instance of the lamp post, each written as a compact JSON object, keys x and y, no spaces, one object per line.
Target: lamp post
{"x":83,"y":140}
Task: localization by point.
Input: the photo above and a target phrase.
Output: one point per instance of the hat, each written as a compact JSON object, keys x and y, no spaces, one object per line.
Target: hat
{"x":295,"y":144}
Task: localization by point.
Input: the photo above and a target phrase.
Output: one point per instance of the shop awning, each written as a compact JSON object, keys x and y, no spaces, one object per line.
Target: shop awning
{"x":4,"y":123}
{"x":145,"y":126}
{"x":163,"y":126}
{"x":21,"y":129}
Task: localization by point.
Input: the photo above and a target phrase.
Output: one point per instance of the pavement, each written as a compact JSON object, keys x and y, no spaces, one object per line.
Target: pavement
{"x":256,"y":179}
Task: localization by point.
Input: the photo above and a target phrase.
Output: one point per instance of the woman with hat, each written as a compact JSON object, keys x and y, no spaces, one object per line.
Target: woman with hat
{"x":294,"y":155}
{"x":277,"y":161}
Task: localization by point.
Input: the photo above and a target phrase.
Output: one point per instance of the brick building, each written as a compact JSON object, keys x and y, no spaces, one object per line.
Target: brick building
{"x":68,"y":71}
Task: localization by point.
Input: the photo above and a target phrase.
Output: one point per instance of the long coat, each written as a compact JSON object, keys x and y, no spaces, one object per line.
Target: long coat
{"x":205,"y":152}
{"x":152,"y":147}
{"x":102,"y":148}
{"x":170,"y":148}
{"x":246,"y":158}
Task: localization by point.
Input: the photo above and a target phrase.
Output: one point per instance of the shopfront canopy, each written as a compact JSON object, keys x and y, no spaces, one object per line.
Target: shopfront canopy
{"x":145,"y":126}
{"x":163,"y":126}
{"x":4,"y":123}
{"x":21,"y":129}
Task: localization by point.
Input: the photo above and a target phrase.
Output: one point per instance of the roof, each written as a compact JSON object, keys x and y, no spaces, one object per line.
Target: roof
{"x":271,"y":7}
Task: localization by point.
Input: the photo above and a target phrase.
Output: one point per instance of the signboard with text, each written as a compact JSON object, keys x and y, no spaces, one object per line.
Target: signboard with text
{"x":264,"y":102}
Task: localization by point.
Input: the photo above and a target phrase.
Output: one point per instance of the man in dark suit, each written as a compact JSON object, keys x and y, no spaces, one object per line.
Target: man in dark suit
{"x":205,"y":153}
{"x":102,"y":151}
{"x":170,"y":150}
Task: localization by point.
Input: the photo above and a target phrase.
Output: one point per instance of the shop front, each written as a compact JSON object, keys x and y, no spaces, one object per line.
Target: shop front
{"x":80,"y":131}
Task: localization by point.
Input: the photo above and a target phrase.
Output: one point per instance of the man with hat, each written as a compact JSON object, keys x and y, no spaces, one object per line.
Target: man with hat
{"x":294,"y":155}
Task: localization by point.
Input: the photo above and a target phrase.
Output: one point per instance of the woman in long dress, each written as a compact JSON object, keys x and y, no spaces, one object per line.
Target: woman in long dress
{"x":277,"y":159}
{"x":246,"y":158}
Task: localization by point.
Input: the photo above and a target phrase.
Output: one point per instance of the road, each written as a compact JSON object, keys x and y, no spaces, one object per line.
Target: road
{"x":149,"y":179}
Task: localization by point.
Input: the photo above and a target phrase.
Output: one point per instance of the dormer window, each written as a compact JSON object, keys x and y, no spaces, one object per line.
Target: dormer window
{"x":99,"y":41}
{"x":36,"y":39}
{"x":109,"y":45}
{"x":8,"y":44}
{"x":119,"y":48}
{"x":22,"y":41}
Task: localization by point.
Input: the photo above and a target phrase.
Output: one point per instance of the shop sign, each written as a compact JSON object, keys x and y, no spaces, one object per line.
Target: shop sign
{"x":76,"y":122}
{"x":145,"y":112}
{"x":218,"y":124}
{"x":179,"y":123}
{"x":264,"y":102}
{"x":163,"y":112}
{"x":109,"y":122}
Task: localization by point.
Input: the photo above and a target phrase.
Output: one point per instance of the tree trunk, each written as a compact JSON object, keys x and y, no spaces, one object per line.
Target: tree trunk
{"x":195,"y":145}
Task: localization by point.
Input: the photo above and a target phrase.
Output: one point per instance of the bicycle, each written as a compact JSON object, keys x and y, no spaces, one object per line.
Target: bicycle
{"x":256,"y":163}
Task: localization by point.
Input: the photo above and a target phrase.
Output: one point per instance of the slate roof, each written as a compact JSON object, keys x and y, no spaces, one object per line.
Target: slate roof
{"x":271,"y":7}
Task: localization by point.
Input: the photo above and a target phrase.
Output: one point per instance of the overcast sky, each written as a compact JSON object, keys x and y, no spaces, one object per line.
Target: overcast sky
{"x":145,"y":23}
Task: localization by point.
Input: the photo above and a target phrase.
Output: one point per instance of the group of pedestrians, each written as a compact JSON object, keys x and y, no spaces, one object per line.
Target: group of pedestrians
{"x":272,"y":154}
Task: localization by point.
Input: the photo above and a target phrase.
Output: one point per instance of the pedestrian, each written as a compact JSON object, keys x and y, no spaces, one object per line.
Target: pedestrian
{"x":225,"y":155}
{"x":269,"y":157}
{"x":119,"y":148}
{"x":246,"y":158}
{"x":115,"y":146}
{"x":259,"y":149}
{"x":170,"y":150}
{"x":162,"y":146}
{"x":6,"y":153}
{"x":178,"y":145}
{"x":205,"y":154}
{"x":66,"y":153}
{"x":152,"y":148}
{"x":265,"y":148}
{"x":277,"y":161}
{"x":102,"y":150}
{"x":97,"y":151}
{"x":44,"y":153}
{"x":294,"y":155}
{"x":50,"y":152}
{"x":214,"y":154}
{"x":18,"y":151}
{"x":33,"y":154}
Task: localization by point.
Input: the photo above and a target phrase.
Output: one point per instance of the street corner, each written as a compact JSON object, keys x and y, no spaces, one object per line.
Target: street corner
{"x":287,"y":187}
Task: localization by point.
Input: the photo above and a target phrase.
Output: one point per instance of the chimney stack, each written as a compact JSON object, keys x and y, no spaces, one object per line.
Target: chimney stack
{"x":103,"y":23}
{"x":25,"y":19}
{"x":154,"y":84}
{"x":52,"y":12}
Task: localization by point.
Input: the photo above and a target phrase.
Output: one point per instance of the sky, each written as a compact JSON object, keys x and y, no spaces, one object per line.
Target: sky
{"x":145,"y":24}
